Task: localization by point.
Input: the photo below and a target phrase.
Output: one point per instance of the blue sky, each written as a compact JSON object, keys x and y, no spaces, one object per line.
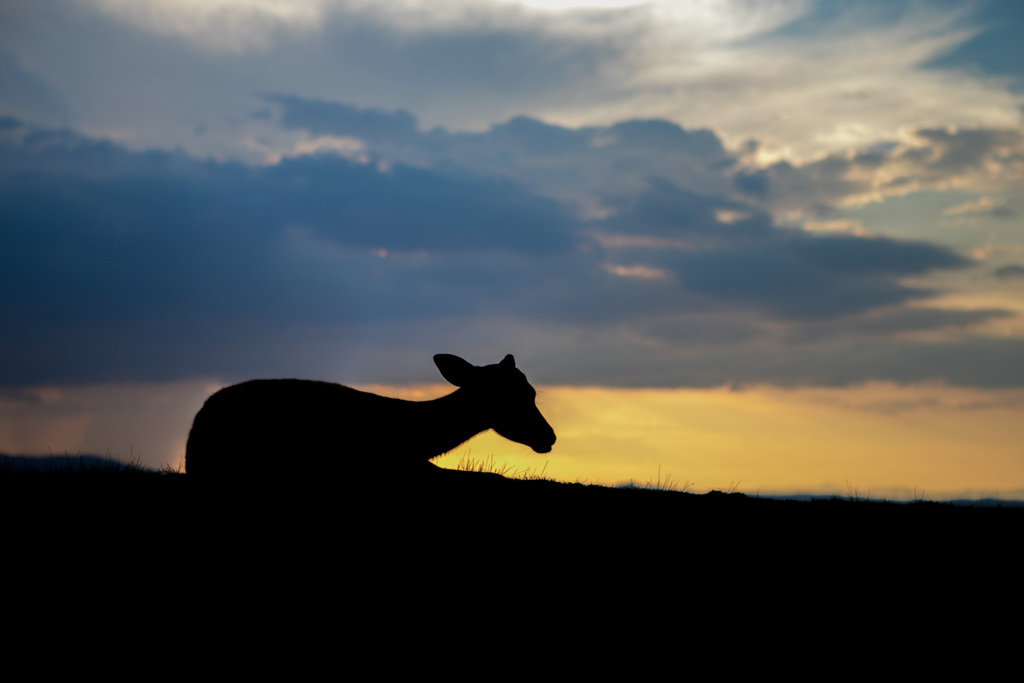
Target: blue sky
{"x":660,"y":194}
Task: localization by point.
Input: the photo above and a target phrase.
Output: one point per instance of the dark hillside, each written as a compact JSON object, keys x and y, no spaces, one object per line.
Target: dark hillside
{"x":489,"y":509}
{"x":290,"y":567}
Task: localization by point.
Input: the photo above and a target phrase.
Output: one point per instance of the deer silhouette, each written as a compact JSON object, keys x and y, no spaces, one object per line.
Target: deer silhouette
{"x":274,"y":427}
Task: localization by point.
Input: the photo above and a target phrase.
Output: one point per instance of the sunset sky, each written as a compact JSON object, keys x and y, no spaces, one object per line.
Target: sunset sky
{"x":774,"y":246}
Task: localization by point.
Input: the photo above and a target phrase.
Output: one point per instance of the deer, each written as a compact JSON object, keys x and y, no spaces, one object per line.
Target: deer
{"x":278,"y":427}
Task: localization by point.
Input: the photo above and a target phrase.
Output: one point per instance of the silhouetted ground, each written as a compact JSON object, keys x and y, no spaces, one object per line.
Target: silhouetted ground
{"x":489,"y":511}
{"x":307,"y":570}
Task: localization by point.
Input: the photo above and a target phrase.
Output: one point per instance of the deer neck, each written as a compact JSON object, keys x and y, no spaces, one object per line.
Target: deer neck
{"x":451,"y":420}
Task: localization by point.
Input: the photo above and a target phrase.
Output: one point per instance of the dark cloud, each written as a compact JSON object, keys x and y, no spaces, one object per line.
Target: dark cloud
{"x":522,"y":136}
{"x":956,"y":151}
{"x":1011,"y":272}
{"x":749,"y":263}
{"x":97,"y":239}
{"x":786,"y":186}
{"x":122,"y":265}
{"x":974,"y":361}
{"x":754,"y":183}
{"x":803,"y":277}
{"x":578,"y":165}
{"x":410,"y":209}
{"x":350,"y":204}
{"x":27,"y":95}
{"x":937,"y":156}
{"x":333,"y":118}
{"x":665,"y":210}
{"x":888,"y":322}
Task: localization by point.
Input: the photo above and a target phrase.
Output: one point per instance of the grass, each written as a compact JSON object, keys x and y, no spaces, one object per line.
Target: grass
{"x":470,"y":464}
{"x":659,"y":484}
{"x":166,"y":468}
{"x":853,"y":493}
{"x":489,"y":465}
{"x":79,"y":463}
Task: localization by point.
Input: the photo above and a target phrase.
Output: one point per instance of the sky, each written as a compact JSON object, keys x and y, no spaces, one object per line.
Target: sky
{"x":772,"y":246}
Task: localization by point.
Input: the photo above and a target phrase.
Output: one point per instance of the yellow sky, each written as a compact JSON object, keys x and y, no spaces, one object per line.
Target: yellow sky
{"x":882,"y":440}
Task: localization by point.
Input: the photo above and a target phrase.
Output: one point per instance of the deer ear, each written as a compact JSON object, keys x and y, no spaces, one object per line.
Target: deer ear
{"x":457,"y":371}
{"x":508,"y":362}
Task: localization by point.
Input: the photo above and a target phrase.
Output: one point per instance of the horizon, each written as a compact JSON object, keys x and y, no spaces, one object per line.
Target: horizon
{"x":779,"y":245}
{"x":11,"y":464}
{"x":747,"y":462}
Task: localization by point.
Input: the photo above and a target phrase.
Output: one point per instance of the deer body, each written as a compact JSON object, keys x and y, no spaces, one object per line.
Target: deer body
{"x":282,"y":426}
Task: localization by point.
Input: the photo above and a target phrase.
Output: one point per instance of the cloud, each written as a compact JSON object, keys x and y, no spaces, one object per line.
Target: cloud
{"x":979,"y":205}
{"x":929,"y":159}
{"x":335,"y":118}
{"x":233,"y":26}
{"x":598,"y":168}
{"x":1011,"y":272}
{"x":170,"y":250}
{"x":348,"y":203}
{"x":26,"y":95}
{"x":841,"y":225}
{"x":958,"y":150}
{"x":806,"y":84}
{"x":751,"y":264}
{"x":792,"y":74}
{"x":155,"y":265}
{"x":814,"y":277}
{"x":588,"y":166}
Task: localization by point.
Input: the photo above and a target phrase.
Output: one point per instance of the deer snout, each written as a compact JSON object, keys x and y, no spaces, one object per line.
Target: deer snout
{"x":545,"y":445}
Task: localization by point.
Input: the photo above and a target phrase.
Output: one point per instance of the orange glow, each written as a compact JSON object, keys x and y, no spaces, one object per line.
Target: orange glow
{"x":879,"y":440}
